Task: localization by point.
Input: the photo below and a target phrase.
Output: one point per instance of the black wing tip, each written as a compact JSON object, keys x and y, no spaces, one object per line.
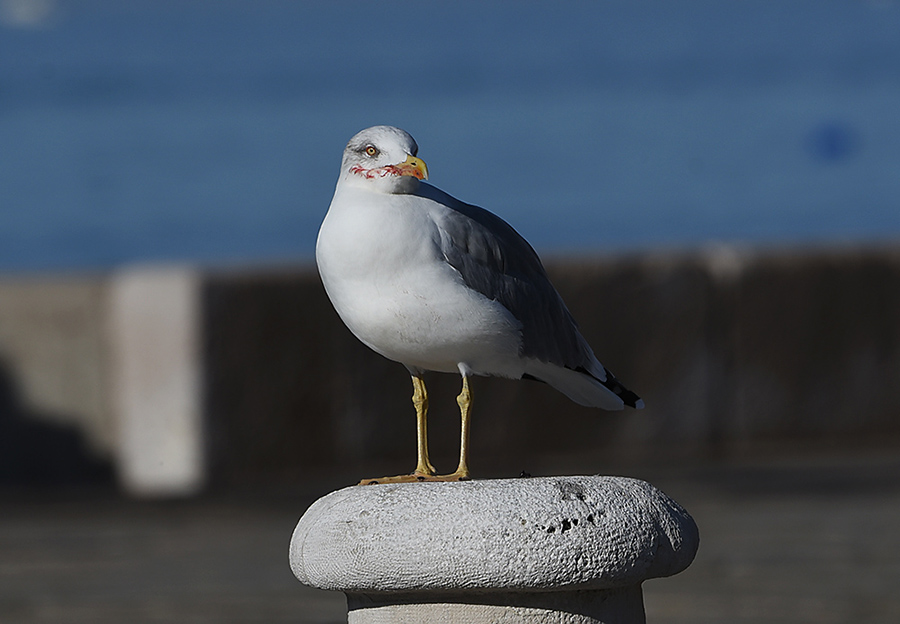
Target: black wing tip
{"x":628,"y":397}
{"x":632,"y":400}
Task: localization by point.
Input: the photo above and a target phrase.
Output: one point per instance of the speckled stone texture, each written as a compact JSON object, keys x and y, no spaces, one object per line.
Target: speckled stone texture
{"x":550,"y":549}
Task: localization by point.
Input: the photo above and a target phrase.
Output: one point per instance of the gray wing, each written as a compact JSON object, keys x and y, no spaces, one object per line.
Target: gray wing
{"x":497,"y":262}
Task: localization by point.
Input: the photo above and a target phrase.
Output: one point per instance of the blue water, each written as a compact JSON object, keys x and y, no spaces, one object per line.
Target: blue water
{"x":211,"y":131}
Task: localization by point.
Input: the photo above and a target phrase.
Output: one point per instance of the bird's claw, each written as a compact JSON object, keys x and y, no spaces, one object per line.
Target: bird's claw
{"x":415,"y":477}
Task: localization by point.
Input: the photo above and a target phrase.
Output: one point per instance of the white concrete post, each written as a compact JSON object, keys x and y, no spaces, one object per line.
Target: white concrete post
{"x":562,"y":550}
{"x":154,"y":345}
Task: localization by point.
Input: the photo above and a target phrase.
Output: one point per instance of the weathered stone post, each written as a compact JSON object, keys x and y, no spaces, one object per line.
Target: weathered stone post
{"x":539,"y":550}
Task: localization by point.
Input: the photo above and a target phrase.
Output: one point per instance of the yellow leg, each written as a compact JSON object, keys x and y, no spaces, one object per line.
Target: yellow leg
{"x":420,"y":401}
{"x":465,"y":405}
{"x":424,"y":470}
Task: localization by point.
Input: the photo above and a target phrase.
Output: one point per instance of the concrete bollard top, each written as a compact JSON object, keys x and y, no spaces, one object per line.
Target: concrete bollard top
{"x":546,"y":533}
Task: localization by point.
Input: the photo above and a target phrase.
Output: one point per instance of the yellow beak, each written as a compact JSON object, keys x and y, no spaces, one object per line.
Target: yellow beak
{"x":414,"y":167}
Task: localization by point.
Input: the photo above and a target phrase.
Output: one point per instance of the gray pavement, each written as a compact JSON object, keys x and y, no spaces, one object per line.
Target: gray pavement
{"x":782,"y":540}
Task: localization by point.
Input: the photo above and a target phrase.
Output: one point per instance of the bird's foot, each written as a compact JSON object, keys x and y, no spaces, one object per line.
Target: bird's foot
{"x":414,"y":477}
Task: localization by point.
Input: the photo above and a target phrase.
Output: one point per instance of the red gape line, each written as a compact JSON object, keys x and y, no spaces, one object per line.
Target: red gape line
{"x":379,"y":172}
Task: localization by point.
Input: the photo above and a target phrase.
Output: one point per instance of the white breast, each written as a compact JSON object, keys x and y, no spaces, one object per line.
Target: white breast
{"x":380,"y":261}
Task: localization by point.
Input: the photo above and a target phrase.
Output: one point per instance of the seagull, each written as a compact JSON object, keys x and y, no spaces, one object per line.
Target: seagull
{"x":440,"y":285}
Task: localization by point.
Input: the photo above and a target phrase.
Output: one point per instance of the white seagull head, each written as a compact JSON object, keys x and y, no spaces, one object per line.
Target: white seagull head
{"x":383,"y":158}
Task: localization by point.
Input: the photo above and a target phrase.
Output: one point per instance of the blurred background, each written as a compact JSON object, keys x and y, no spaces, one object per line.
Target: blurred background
{"x":713,"y":187}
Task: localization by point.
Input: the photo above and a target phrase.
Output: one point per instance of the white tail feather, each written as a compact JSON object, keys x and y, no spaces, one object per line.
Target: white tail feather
{"x":580,"y":387}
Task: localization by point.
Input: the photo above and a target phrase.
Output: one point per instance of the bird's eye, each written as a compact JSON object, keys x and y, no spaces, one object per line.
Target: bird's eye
{"x":371,"y":150}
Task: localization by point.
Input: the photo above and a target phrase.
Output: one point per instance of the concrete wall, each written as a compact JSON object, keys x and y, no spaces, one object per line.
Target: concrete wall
{"x":51,"y":333}
{"x":55,"y":419}
{"x":156,"y":373}
{"x":733,"y":351}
